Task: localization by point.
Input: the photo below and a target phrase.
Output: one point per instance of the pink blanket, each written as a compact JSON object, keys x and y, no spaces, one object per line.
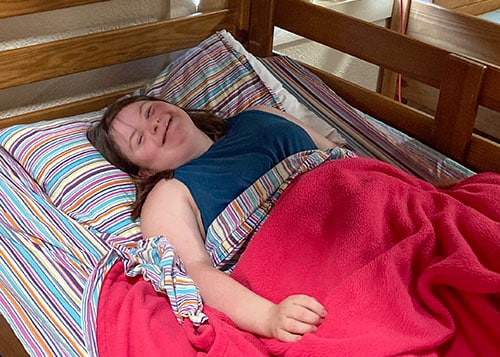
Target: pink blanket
{"x":403,"y":268}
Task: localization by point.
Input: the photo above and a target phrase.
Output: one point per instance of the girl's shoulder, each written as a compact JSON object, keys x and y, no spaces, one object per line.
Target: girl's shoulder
{"x":168,"y":190}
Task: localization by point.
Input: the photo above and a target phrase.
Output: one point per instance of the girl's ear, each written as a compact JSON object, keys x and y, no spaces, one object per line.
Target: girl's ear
{"x":146,"y":173}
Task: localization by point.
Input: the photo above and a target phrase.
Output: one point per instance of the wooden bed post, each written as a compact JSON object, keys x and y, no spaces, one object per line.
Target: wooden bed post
{"x":261,"y":29}
{"x":242,"y":19}
{"x":457,"y":106}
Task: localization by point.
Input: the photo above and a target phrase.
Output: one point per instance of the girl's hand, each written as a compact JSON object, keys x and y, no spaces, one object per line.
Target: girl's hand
{"x":295,"y":316}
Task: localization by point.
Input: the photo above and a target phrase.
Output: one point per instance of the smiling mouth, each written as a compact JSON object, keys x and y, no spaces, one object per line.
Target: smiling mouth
{"x":166,"y":131}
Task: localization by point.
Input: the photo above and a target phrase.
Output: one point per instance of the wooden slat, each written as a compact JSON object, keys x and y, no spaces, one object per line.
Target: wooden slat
{"x":367,"y":41}
{"x":388,"y":80}
{"x":65,"y":110}
{"x":479,"y":8}
{"x":455,"y":32}
{"x":9,"y":344}
{"x":413,"y":122}
{"x":242,"y":8}
{"x":83,"y":53}
{"x":367,"y":10}
{"x":457,"y":106}
{"x":10,"y":8}
{"x":472,"y":7}
{"x":261,"y":28}
{"x":489,"y":96}
{"x":484,"y":154}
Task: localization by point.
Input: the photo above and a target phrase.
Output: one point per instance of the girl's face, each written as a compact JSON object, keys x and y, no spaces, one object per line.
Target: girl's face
{"x":157,"y":136}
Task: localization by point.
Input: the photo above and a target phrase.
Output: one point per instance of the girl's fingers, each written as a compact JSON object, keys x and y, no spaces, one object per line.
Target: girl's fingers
{"x":303,"y":314}
{"x":297,"y":327}
{"x":286,"y":336}
{"x":309,"y":303}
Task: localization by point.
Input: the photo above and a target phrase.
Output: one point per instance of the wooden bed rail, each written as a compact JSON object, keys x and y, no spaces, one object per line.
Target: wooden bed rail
{"x":472,"y":36}
{"x":23,"y":7}
{"x":468,"y":6}
{"x":82,"y":53}
{"x":64,"y":110}
{"x":78,"y":54}
{"x":464,"y":83}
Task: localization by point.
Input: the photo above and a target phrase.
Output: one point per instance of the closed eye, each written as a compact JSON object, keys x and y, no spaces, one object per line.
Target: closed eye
{"x":149,"y":112}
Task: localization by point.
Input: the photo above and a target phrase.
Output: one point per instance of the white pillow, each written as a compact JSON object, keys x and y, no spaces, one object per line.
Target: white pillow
{"x":289,"y":103}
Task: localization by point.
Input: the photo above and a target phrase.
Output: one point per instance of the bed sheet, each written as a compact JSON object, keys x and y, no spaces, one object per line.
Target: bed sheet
{"x":364,"y":134}
{"x":45,"y":262}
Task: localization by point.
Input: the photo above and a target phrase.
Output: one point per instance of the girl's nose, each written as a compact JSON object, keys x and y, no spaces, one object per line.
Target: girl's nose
{"x":154,"y":124}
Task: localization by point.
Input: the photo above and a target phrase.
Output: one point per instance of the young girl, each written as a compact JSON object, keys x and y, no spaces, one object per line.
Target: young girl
{"x":188,"y":165}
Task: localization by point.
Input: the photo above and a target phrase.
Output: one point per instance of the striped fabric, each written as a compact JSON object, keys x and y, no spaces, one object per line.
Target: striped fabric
{"x":73,"y":174}
{"x":44,"y":266}
{"x":228,"y":234}
{"x":364,"y":134}
{"x":230,"y":83}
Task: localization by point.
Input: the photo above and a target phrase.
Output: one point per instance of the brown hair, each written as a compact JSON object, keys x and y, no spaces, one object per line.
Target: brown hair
{"x":99,"y":135}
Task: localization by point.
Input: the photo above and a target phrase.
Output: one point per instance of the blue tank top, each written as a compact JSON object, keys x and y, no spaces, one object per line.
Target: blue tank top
{"x":254,"y":143}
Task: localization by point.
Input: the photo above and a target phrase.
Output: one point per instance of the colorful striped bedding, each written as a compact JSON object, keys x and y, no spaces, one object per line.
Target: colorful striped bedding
{"x":364,"y":134}
{"x":46,"y":259}
{"x":51,"y":265}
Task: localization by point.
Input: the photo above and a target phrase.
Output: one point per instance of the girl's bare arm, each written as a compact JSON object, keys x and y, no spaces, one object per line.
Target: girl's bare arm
{"x":170,"y":211}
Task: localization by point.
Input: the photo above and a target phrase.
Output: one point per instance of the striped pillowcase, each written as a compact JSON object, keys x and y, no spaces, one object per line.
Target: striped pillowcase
{"x":76,"y":177}
{"x":72,"y":173}
{"x":214,"y":76}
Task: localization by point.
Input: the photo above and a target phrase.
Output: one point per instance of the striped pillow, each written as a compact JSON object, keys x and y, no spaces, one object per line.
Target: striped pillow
{"x":213,"y":75}
{"x":72,"y":173}
{"x":85,"y":186}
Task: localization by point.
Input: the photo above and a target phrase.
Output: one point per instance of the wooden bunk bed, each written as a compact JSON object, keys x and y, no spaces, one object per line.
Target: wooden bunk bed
{"x":464,"y":83}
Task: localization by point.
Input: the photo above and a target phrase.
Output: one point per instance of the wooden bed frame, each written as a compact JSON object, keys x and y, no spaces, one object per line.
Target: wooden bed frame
{"x":455,"y":32}
{"x":472,"y":7}
{"x":464,"y":83}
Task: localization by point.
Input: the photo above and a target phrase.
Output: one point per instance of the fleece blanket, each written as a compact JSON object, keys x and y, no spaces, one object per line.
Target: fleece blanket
{"x":402,"y":267}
